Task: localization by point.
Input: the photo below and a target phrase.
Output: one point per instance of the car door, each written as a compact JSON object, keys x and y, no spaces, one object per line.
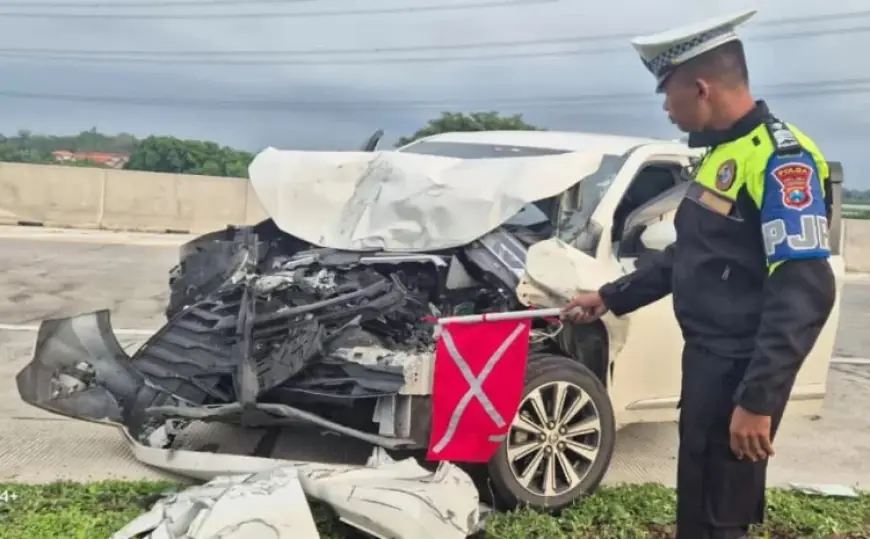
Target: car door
{"x":650,"y":393}
{"x":808,"y":394}
{"x":645,"y":379}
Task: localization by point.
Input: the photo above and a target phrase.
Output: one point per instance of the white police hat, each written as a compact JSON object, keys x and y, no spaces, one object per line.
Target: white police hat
{"x":662,"y":53}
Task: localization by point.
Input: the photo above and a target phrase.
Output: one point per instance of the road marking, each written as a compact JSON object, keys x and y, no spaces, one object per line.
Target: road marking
{"x":120,"y":332}
{"x":856,"y":278}
{"x":105,"y":237}
{"x":841,"y":360}
{"x":136,"y":242}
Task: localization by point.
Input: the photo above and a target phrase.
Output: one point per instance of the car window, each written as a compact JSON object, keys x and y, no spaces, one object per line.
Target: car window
{"x":577,"y":227}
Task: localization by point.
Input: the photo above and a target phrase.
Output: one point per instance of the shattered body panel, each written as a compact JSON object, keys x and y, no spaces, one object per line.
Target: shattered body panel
{"x":385,"y":499}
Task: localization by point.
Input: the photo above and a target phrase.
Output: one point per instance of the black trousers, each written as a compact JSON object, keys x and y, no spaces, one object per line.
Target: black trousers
{"x":718,"y":496}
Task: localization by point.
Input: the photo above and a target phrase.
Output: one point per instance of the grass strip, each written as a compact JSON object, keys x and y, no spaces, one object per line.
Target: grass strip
{"x":96,"y":510}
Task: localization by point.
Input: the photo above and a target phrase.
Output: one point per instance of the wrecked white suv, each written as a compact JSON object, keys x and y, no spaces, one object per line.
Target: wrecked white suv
{"x":316,"y":317}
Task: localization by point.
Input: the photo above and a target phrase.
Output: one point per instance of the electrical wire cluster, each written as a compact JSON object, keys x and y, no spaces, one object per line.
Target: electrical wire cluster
{"x":480,"y":51}
{"x":578,"y":45}
{"x":859,"y":86}
{"x":263,"y":9}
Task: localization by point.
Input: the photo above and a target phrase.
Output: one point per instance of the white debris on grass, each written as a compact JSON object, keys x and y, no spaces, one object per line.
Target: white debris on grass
{"x":385,"y":499}
{"x":838,"y":491}
{"x":265,"y":505}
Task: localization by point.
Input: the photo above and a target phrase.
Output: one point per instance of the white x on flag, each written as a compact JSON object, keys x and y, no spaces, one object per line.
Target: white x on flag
{"x":475,"y":383}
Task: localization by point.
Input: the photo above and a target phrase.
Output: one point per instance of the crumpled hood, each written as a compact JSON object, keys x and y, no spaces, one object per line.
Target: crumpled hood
{"x":394,"y":201}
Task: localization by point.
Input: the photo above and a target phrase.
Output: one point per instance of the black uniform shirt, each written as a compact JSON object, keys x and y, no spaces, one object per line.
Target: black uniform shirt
{"x":749,"y":271}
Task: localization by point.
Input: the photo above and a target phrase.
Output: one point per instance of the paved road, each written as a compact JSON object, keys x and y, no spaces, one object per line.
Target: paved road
{"x":46,"y":274}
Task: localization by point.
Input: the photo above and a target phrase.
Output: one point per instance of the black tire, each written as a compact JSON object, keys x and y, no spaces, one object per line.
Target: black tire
{"x":544,"y":371}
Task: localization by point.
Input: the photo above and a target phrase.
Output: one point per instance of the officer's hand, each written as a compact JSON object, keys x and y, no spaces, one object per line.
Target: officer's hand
{"x":750,"y":435}
{"x":585,"y":308}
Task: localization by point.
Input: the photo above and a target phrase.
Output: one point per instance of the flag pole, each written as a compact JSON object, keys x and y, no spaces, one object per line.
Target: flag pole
{"x":508,"y":315}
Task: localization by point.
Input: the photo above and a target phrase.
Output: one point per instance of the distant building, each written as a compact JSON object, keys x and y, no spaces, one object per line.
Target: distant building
{"x":107,"y":159}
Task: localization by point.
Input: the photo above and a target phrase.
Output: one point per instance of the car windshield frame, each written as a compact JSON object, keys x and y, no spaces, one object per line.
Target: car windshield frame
{"x":576,"y":226}
{"x":476,"y":150}
{"x":573,"y":225}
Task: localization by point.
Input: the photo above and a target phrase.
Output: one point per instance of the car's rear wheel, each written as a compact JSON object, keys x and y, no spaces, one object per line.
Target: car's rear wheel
{"x":561,"y":442}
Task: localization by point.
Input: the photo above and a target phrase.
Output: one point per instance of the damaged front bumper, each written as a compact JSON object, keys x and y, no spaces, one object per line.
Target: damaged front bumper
{"x":385,"y":499}
{"x":80,"y":370}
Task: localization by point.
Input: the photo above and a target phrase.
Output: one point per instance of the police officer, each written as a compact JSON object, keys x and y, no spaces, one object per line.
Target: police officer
{"x":751,"y":283}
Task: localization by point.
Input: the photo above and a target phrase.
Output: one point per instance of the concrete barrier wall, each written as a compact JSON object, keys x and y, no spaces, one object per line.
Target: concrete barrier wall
{"x":61,"y":196}
{"x":857,"y":245}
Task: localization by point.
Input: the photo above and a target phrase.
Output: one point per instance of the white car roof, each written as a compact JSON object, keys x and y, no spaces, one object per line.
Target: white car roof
{"x":558,"y":140}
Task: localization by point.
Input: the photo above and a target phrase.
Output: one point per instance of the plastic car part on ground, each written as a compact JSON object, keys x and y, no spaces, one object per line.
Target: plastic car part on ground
{"x":385,"y":499}
{"x":555,"y":273}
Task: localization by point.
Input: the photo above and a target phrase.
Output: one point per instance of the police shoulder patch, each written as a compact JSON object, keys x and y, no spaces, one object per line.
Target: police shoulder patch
{"x":794,"y":179}
{"x":726,"y":174}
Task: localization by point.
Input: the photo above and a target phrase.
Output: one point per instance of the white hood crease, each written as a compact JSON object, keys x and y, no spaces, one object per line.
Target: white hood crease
{"x":393,"y":201}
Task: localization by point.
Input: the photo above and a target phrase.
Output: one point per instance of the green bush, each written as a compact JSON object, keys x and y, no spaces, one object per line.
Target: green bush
{"x":96,"y":510}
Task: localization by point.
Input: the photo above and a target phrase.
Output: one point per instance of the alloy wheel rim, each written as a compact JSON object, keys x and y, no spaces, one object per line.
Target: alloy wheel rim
{"x":554,"y":439}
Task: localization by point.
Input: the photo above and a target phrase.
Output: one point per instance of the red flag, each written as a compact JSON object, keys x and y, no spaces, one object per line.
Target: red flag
{"x":480,"y":368}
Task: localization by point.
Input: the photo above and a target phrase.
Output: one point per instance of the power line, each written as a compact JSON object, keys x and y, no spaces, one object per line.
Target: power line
{"x":280,"y":14}
{"x":143,"y":4}
{"x":411,"y":48}
{"x":113,"y":5}
{"x":95,"y":56}
{"x":54,"y":5}
{"x":65,"y":52}
{"x":782,"y":90}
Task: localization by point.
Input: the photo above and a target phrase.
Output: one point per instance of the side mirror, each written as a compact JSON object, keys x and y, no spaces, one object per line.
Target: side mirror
{"x":555,"y":272}
{"x":371,"y":144}
{"x":658,"y":236}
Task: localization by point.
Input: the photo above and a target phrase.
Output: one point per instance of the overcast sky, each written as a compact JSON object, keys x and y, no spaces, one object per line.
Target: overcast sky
{"x":838,"y":122}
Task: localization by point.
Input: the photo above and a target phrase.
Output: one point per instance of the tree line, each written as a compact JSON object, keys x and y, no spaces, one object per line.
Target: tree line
{"x":153,"y":154}
{"x":179,"y":156}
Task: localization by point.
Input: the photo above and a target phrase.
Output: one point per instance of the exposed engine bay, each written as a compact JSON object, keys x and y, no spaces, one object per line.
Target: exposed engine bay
{"x":265,"y":329}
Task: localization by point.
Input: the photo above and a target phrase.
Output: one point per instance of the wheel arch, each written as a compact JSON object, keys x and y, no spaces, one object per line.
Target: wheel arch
{"x":547,"y":368}
{"x":590,"y":345}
